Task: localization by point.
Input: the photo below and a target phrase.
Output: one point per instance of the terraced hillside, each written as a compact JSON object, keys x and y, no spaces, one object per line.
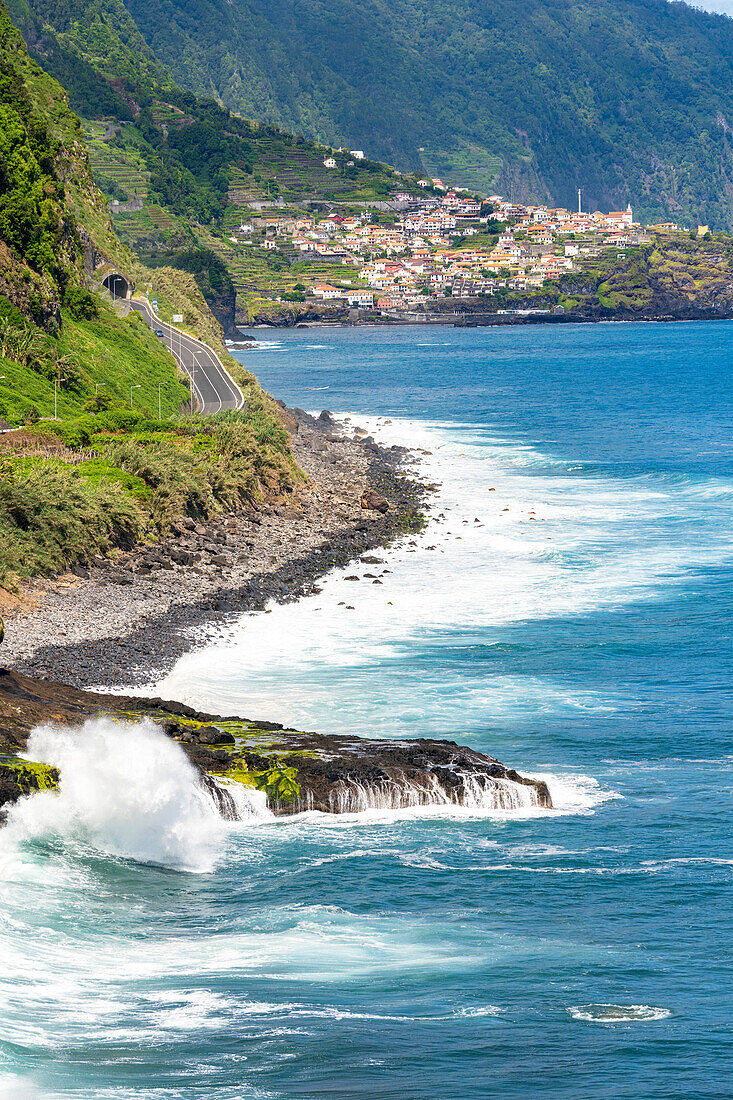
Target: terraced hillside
{"x":293,"y":169}
{"x":118,"y":165}
{"x":185,"y":175}
{"x":264,"y":281}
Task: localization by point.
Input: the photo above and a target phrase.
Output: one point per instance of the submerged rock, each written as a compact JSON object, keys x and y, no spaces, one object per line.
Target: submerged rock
{"x":296,"y":770}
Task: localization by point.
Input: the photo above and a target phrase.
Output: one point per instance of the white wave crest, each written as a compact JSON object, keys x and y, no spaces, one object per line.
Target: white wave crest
{"x":575,"y":794}
{"x":125,"y":790}
{"x":617,"y":1014}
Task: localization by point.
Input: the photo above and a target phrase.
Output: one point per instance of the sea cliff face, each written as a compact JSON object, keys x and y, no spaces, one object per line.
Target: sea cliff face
{"x":296,"y":771}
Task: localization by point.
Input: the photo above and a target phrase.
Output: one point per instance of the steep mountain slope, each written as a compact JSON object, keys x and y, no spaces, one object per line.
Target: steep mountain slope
{"x":181,"y":166}
{"x":632,"y":100}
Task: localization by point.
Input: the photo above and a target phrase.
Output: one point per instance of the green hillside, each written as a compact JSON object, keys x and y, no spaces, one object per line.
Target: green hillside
{"x":60,"y":342}
{"x":630,"y":99}
{"x":106,"y":455}
{"x":186,"y":171}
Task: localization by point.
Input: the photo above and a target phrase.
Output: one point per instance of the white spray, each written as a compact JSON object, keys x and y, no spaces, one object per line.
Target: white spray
{"x":125,"y":790}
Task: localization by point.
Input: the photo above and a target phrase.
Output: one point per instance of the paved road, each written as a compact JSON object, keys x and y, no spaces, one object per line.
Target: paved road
{"x":213,"y":387}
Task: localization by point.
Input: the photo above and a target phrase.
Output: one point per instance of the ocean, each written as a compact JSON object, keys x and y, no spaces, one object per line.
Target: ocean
{"x":568,"y":609}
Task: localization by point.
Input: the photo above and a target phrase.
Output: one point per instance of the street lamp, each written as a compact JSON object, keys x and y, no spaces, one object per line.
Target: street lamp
{"x":131,"y":389}
{"x":160,"y":417}
{"x":56,"y":397}
{"x":193,"y":381}
{"x":97,"y":385}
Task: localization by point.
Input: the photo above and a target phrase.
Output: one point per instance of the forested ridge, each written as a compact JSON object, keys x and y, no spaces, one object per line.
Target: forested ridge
{"x":632,"y":100}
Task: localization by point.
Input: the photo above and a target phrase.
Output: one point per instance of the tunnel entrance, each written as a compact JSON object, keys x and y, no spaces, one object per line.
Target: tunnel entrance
{"x":117,"y":285}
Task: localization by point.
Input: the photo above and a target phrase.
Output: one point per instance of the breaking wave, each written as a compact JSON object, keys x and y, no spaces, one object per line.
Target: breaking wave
{"x":126,"y":791}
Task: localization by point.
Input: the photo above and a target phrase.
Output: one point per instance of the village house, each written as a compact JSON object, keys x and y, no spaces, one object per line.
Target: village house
{"x":364,"y":299}
{"x":327,"y":293}
{"x":620,"y":218}
{"x":330,"y":223}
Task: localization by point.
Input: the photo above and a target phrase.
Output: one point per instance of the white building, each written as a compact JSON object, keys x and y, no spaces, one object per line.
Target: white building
{"x":327,"y":292}
{"x":362,"y":298}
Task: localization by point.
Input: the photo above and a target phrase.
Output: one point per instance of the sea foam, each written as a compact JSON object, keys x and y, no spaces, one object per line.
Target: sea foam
{"x":517,"y":536}
{"x":617,"y":1014}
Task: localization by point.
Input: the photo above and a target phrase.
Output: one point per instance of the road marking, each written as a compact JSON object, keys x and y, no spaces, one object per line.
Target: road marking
{"x":194,"y":347}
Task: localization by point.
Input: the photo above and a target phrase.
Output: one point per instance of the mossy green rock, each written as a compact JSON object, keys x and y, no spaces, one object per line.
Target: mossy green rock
{"x":296,"y":770}
{"x":19,"y":777}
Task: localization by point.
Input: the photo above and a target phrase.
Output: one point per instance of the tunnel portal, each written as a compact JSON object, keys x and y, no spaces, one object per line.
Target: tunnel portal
{"x":117,"y":285}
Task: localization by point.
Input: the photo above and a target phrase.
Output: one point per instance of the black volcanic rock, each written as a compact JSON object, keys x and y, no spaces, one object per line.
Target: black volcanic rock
{"x":297,"y":770}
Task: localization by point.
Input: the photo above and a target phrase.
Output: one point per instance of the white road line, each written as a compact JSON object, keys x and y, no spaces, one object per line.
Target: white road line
{"x":226,"y":376}
{"x":184,"y":338}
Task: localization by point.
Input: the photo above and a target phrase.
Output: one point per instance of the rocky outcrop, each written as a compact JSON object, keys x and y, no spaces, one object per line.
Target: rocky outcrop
{"x":374,"y":501}
{"x":297,"y":771}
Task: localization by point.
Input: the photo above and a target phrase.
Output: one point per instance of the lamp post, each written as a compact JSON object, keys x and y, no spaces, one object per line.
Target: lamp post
{"x":160,"y":417}
{"x":56,"y":397}
{"x":97,"y":385}
{"x":131,"y":389}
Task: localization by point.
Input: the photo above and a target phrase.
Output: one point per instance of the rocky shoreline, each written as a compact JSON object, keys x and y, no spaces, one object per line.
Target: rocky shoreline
{"x":124,"y":622}
{"x":127,"y":619}
{"x":472,"y":313}
{"x":295,"y":771}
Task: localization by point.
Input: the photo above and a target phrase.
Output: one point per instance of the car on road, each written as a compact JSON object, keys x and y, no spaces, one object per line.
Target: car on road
{"x":159,"y":332}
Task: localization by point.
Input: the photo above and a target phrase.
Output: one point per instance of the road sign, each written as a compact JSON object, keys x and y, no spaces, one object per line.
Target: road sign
{"x":177,"y":318}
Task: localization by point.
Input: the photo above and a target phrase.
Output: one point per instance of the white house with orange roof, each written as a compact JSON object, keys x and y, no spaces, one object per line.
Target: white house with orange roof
{"x":327,"y":292}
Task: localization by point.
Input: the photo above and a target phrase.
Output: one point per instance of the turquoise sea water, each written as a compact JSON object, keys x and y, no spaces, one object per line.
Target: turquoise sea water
{"x":576,"y":623}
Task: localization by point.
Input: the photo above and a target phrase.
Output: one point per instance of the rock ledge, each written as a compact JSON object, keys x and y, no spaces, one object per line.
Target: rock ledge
{"x":298,"y":771}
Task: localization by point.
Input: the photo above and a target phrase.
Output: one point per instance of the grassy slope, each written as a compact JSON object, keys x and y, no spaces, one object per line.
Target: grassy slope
{"x":59,"y":507}
{"x":110,"y":352}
